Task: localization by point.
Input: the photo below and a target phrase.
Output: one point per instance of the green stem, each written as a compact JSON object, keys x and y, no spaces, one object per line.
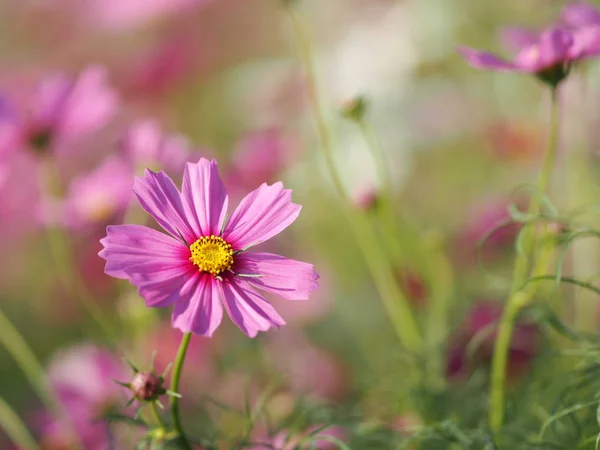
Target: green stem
{"x":33,"y":370}
{"x":521,"y":298}
{"x":14,"y":427}
{"x":177,"y":368}
{"x":396,"y":305}
{"x":62,"y":255}
{"x":157,"y":416}
{"x":523,"y":259}
{"x":387,"y":193}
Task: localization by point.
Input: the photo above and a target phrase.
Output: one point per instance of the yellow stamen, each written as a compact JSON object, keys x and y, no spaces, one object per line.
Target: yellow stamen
{"x":212,"y":254}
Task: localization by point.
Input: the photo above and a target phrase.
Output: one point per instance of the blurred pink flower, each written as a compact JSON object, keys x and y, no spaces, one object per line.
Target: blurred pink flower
{"x":308,"y":370}
{"x":516,"y":141}
{"x":260,"y":156}
{"x":163,"y":67}
{"x":119,"y":15}
{"x":366,"y":198}
{"x":202,"y":264}
{"x":487,"y":219}
{"x":413,"y":285}
{"x":19,"y":199}
{"x":580,"y":15}
{"x":82,"y":377}
{"x":315,"y":437}
{"x":61,"y":111}
{"x":548,"y":55}
{"x":480,"y":328}
{"x":99,"y":196}
{"x":146,"y":146}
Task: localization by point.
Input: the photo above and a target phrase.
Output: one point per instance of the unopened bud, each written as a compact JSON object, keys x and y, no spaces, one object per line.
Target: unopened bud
{"x":355,"y":108}
{"x":147,"y":386}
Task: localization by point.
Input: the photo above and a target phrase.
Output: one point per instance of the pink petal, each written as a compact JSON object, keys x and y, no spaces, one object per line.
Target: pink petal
{"x":484,"y":60}
{"x":293,"y":280}
{"x":262,"y":214}
{"x":587,"y":43}
{"x":516,"y":38}
{"x":155,"y":263}
{"x":580,"y":14}
{"x":202,"y":311}
{"x":204,"y":197}
{"x":250,"y":311}
{"x":91,"y":103}
{"x":554,"y":47}
{"x":160,"y":198}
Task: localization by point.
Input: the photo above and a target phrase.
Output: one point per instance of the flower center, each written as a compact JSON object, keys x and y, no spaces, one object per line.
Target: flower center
{"x":211,"y":254}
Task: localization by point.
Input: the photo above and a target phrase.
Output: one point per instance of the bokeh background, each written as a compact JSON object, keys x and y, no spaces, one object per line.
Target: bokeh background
{"x":226,"y":76}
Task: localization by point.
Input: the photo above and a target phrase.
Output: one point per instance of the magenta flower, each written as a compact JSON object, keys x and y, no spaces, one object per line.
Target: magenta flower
{"x":315,"y":437}
{"x":145,"y":145}
{"x":82,"y":377}
{"x":478,"y":333}
{"x":261,"y":155}
{"x":580,"y":14}
{"x":201,"y":265}
{"x":100,"y":195}
{"x":549,"y":55}
{"x":61,"y":111}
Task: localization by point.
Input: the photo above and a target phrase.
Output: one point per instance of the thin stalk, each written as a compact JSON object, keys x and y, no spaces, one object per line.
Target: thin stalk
{"x":396,"y":305}
{"x":523,"y":260}
{"x":15,"y":429}
{"x":33,"y":370}
{"x":177,"y":368}
{"x":157,"y":416}
{"x":520,"y":299}
{"x":386,"y":198}
{"x":61,"y":253}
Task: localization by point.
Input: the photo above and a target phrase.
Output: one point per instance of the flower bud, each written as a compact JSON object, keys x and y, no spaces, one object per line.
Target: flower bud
{"x":147,"y":386}
{"x":355,"y":108}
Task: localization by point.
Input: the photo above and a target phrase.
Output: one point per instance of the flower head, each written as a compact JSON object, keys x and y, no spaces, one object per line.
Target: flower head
{"x":473,"y":343}
{"x":98,"y":196}
{"x":580,"y":14}
{"x":62,"y":110}
{"x":201,"y":265}
{"x":82,"y":378}
{"x":549,"y":54}
{"x":144,"y":144}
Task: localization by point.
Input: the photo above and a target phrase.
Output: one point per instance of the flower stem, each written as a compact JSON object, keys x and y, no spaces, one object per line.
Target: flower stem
{"x":15,"y":428}
{"x":157,"y":416}
{"x":387,"y":193}
{"x":519,"y":299}
{"x":177,"y":368}
{"x":523,"y":260}
{"x":61,"y":252}
{"x":395,"y":303}
{"x":33,"y":370}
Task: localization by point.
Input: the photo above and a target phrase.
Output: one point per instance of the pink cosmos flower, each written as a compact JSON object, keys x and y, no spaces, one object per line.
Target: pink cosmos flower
{"x":547,"y":55}
{"x":145,"y":145}
{"x":61,"y":111}
{"x":261,"y":155}
{"x":308,"y":370}
{"x":480,"y":329}
{"x":489,"y":220}
{"x":100,"y":195}
{"x":201,"y":265}
{"x":119,"y":15}
{"x":82,"y":377}
{"x":315,"y":437}
{"x":580,"y":14}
